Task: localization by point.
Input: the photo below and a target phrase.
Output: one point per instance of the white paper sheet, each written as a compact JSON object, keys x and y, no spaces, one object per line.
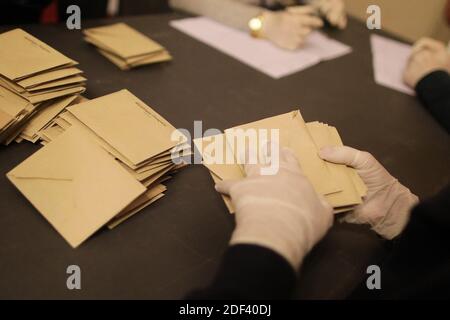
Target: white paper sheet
{"x":389,"y":61}
{"x":261,"y":54}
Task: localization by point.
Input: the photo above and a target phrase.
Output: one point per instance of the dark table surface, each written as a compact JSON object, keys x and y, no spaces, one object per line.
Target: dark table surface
{"x":176,"y":244}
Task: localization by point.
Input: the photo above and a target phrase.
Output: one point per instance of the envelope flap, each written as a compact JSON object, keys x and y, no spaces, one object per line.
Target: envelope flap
{"x":98,"y":190}
{"x":120,"y":118}
{"x":56,"y":161}
{"x":228,"y":169}
{"x":22,"y":54}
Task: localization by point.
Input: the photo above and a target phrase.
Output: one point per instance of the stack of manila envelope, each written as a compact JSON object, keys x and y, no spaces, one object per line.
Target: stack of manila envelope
{"x":34,"y":77}
{"x":340,"y":185}
{"x":126,"y":47}
{"x":104,"y":161}
{"x":34,"y":129}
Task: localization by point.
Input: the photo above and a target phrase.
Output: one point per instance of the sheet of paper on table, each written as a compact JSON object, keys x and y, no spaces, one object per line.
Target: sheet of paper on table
{"x":258,"y":53}
{"x":389,"y":61}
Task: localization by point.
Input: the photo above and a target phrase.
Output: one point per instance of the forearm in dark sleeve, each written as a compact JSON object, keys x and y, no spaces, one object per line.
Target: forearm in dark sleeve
{"x":250,"y":272}
{"x":434,"y":92}
{"x":419,"y":263}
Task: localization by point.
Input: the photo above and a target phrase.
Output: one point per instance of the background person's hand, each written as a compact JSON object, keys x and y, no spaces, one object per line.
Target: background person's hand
{"x":428,"y":55}
{"x":289,"y":29}
{"x":281,"y":212}
{"x":387,"y":204}
{"x":332,"y":10}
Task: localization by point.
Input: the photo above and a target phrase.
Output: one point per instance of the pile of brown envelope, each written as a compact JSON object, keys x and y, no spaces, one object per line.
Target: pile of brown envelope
{"x":104,"y":160}
{"x":35,"y":81}
{"x":339,"y":184}
{"x":126,"y":47}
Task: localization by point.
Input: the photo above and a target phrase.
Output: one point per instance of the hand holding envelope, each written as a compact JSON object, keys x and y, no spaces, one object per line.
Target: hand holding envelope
{"x":339,"y":184}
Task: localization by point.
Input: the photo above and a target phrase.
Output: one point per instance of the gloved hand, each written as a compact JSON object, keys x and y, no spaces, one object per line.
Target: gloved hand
{"x":428,"y":55}
{"x":288,"y":29}
{"x":332,"y":10}
{"x":387,"y":204}
{"x":281,"y":212}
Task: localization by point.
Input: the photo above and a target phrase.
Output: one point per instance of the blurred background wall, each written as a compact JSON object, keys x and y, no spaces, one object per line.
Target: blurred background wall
{"x":408,"y":19}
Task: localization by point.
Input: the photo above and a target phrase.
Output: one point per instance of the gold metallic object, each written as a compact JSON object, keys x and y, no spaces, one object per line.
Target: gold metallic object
{"x":255,"y":24}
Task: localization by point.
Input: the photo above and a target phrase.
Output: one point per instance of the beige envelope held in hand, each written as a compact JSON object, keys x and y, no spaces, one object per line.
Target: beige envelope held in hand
{"x":294,"y":134}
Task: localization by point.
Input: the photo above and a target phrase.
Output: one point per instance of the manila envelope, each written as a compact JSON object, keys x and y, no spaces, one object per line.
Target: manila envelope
{"x":51,"y":133}
{"x":67,"y":119}
{"x":357,"y":181}
{"x":11,"y":85}
{"x":73,"y":90}
{"x":44,"y":116}
{"x":149,"y":197}
{"x":123,"y":40}
{"x":49,"y":76}
{"x":225,"y":170}
{"x":75,"y":185}
{"x":11,"y":103}
{"x":5,"y":119}
{"x":59,"y":83}
{"x":125,"y":65}
{"x":349,"y":196}
{"x":127,"y":124}
{"x":23,"y":55}
{"x":294,"y":134}
{"x":219,"y":171}
{"x":116,"y":221}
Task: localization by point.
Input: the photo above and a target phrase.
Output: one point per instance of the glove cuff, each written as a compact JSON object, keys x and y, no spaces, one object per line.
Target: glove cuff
{"x":396,"y":219}
{"x":290,"y":239}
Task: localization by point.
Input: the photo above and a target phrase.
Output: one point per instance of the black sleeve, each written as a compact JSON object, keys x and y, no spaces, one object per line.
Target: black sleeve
{"x":418,"y":266}
{"x":434,"y":92}
{"x":250,"y":272}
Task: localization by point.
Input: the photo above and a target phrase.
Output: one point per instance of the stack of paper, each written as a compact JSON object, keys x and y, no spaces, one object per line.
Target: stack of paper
{"x":390,"y":58}
{"x":261,"y":54}
{"x":104,"y":160}
{"x":125,"y":46}
{"x":33,"y":130}
{"x":33,"y":77}
{"x":340,"y":185}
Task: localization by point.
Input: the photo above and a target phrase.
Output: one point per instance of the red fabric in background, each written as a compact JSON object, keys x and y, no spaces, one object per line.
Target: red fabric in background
{"x":50,"y":13}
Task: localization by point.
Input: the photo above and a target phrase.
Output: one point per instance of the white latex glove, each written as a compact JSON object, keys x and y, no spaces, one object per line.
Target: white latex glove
{"x":288,"y":29}
{"x":332,"y":10}
{"x":281,"y":212}
{"x":428,"y":55}
{"x":387,"y":204}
